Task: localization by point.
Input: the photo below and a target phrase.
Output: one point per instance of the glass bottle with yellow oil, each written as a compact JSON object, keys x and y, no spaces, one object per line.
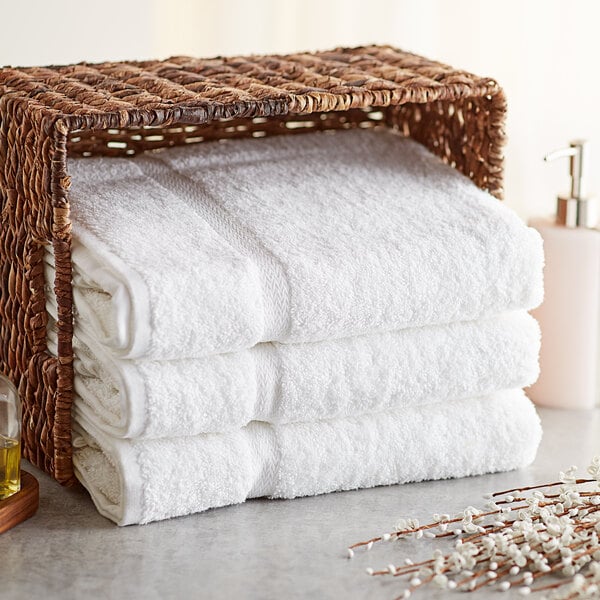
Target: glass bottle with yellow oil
{"x":10,"y":439}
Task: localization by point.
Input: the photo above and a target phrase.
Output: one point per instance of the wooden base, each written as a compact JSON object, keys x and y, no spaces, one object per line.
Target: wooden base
{"x":22,"y":505}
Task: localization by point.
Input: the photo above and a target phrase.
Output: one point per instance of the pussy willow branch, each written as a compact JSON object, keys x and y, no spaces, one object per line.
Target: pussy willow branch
{"x":539,"y":487}
{"x":532,"y":536}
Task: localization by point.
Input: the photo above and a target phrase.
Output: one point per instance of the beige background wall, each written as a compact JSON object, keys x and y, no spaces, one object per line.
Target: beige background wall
{"x":544,"y":52}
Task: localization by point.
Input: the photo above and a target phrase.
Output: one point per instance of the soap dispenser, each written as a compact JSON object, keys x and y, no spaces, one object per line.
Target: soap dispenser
{"x":568,"y":316}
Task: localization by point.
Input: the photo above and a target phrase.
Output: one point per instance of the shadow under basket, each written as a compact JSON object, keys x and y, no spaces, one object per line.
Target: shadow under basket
{"x":121,"y":109}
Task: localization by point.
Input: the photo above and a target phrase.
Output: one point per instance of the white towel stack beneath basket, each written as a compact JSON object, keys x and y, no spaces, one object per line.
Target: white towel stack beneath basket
{"x":291,"y":316}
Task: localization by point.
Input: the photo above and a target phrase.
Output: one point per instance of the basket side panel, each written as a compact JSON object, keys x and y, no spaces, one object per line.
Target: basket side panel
{"x":26,"y":220}
{"x":467,"y":133}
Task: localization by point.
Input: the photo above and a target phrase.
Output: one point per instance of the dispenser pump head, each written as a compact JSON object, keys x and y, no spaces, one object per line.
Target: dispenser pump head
{"x":575,"y":209}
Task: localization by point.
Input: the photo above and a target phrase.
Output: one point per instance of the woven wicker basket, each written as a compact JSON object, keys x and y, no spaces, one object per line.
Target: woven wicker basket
{"x":120,"y":109}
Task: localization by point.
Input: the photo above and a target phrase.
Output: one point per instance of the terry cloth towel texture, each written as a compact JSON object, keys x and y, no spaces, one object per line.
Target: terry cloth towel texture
{"x":146,"y":480}
{"x":282,"y":383}
{"x":293,"y":316}
{"x":214,"y":248}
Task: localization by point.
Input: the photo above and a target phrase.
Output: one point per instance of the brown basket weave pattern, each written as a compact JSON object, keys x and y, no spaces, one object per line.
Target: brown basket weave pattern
{"x":124,"y":108}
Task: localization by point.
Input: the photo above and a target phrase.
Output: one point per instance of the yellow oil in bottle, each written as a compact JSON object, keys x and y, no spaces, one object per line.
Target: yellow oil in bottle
{"x":10,"y":466}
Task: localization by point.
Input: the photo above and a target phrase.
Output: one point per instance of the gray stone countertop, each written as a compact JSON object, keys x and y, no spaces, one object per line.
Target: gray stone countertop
{"x":261,"y":549}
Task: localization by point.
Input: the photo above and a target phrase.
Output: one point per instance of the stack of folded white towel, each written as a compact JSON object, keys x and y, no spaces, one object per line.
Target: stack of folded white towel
{"x":290,"y":316}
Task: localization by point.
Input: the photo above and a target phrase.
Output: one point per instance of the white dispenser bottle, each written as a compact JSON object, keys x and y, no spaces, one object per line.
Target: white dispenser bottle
{"x":568,"y":316}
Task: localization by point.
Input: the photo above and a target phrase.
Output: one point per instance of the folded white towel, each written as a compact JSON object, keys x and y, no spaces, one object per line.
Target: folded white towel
{"x":143,"y":481}
{"x":282,"y":383}
{"x":216,"y":247}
